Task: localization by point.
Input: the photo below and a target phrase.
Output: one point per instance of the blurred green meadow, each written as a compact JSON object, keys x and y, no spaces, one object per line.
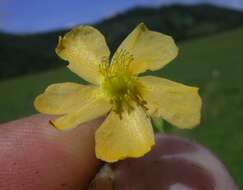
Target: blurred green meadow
{"x":213,"y":63}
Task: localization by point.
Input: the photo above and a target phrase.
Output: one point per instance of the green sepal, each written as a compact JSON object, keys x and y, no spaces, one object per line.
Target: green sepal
{"x":158,"y":124}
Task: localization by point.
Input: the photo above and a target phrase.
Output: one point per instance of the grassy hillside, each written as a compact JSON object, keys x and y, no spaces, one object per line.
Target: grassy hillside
{"x":27,"y":54}
{"x":214,"y":64}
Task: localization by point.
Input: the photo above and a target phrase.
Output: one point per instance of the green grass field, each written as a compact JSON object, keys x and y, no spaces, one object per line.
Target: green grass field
{"x":214,"y":64}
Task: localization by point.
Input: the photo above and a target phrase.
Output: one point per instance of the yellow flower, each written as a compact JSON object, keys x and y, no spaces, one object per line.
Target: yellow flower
{"x":117,"y":90}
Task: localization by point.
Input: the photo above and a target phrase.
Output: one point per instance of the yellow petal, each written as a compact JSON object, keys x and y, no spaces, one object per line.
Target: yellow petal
{"x":85,"y":48}
{"x":178,"y":104}
{"x":151,"y":50}
{"x":96,"y":106}
{"x":131,"y":136}
{"x":63,"y":98}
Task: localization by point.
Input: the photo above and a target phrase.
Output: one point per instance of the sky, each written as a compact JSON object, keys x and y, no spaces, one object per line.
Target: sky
{"x":30,"y":16}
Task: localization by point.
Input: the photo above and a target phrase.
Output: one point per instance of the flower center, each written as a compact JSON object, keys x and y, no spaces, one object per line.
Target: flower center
{"x":120,"y":85}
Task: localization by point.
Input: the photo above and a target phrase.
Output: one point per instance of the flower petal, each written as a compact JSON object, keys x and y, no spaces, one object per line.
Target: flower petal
{"x":95,"y":107}
{"x":151,"y":50}
{"x":85,"y":48}
{"x":131,"y":136}
{"x":63,"y":98}
{"x":176,"y":103}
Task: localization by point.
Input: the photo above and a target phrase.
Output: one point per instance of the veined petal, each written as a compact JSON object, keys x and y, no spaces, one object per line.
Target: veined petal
{"x":131,"y":136}
{"x":62,"y":98}
{"x":151,"y":50}
{"x":95,"y":107}
{"x":178,"y":104}
{"x":85,"y":48}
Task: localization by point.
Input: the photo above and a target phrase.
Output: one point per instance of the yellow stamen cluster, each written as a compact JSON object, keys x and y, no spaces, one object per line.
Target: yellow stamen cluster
{"x":120,"y":85}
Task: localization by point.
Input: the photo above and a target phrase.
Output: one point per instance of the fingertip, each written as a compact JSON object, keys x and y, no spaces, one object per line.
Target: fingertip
{"x":38,"y":156}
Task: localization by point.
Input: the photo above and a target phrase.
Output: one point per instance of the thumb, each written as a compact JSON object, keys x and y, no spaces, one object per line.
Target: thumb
{"x":34,"y":155}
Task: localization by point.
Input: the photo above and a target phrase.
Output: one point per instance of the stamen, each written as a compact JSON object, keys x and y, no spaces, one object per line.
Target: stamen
{"x":119,"y":84}
{"x":104,"y":66}
{"x":121,"y":61}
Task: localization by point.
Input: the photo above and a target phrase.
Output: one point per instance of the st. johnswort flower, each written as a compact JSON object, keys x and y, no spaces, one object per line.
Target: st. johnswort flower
{"x":117,"y":90}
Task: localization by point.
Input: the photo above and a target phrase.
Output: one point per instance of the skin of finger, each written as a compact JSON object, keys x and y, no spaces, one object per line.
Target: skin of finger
{"x":174,"y":163}
{"x":35,"y":155}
